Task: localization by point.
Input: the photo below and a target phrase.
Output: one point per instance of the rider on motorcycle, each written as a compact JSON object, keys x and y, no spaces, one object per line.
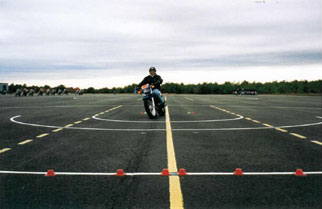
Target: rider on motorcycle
{"x":156,"y":80}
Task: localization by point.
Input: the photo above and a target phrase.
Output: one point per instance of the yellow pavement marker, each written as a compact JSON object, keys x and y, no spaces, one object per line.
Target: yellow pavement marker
{"x":85,"y":119}
{"x":42,"y":135}
{"x":317,"y":142}
{"x":298,"y":135}
{"x":282,"y":130}
{"x":265,"y":124}
{"x":4,"y":150}
{"x":69,"y":125}
{"x":78,"y":122}
{"x":56,"y":130}
{"x":176,"y":199}
{"x":25,"y":142}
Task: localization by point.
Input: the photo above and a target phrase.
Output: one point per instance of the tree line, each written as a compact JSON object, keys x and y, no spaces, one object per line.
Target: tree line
{"x":282,"y":87}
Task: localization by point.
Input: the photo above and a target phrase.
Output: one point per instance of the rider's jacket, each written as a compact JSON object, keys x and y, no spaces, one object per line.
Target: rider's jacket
{"x":156,"y":80}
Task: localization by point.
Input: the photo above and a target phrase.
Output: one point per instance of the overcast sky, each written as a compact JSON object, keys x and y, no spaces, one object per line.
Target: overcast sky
{"x":103,"y":43}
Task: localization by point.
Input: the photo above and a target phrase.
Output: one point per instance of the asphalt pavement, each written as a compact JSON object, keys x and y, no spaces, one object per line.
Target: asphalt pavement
{"x":86,"y":139}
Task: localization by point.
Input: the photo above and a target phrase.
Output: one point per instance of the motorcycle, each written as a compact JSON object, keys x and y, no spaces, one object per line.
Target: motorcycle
{"x":152,"y":104}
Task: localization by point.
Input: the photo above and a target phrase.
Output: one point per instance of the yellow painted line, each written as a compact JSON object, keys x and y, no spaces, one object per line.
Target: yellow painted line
{"x":78,"y":122}
{"x":69,"y":125}
{"x":96,"y":115}
{"x":298,"y":135}
{"x":25,"y":142}
{"x":187,"y":98}
{"x":4,"y":150}
{"x":107,"y":111}
{"x":248,"y":118}
{"x":265,"y":124}
{"x":256,"y":121}
{"x":282,"y":130}
{"x":176,"y":198}
{"x":86,"y":119}
{"x":102,"y":113}
{"x":317,"y":142}
{"x":239,"y":115}
{"x":42,"y":135}
{"x":56,"y":130}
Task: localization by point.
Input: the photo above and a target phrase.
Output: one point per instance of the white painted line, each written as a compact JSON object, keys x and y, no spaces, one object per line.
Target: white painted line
{"x":158,"y":173}
{"x":25,"y":142}
{"x":317,"y":142}
{"x":4,"y":150}
{"x":187,"y":98}
{"x":298,"y":135}
{"x":189,"y":121}
{"x":13,"y":119}
{"x":192,"y":105}
{"x":42,"y":135}
{"x":319,"y":117}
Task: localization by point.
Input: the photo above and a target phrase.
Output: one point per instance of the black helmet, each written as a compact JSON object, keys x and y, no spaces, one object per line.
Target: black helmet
{"x":152,"y":69}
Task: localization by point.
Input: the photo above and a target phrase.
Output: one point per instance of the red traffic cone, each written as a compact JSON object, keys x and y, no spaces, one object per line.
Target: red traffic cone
{"x":165,"y":172}
{"x":182,"y":172}
{"x":238,"y":172}
{"x":192,"y":113}
{"x":299,"y":172}
{"x":50,"y":173}
{"x":120,"y":172}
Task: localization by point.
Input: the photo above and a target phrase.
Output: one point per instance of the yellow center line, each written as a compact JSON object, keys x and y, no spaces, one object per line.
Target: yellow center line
{"x":4,"y":150}
{"x":282,"y":130}
{"x":176,"y":199}
{"x":316,"y":142}
{"x":107,"y":111}
{"x":56,"y":130}
{"x":42,"y":135}
{"x":256,"y":121}
{"x":69,"y":125}
{"x":265,"y":124}
{"x":298,"y":135}
{"x":25,"y":142}
{"x":78,"y":122}
{"x":248,"y":118}
{"x":102,"y":113}
{"x":86,"y":119}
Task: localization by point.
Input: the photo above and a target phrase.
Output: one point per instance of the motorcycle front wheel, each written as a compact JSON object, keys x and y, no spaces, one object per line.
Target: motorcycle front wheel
{"x":150,"y":108}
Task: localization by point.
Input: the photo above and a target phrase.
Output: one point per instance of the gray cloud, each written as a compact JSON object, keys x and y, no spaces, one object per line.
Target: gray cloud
{"x":54,"y":36}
